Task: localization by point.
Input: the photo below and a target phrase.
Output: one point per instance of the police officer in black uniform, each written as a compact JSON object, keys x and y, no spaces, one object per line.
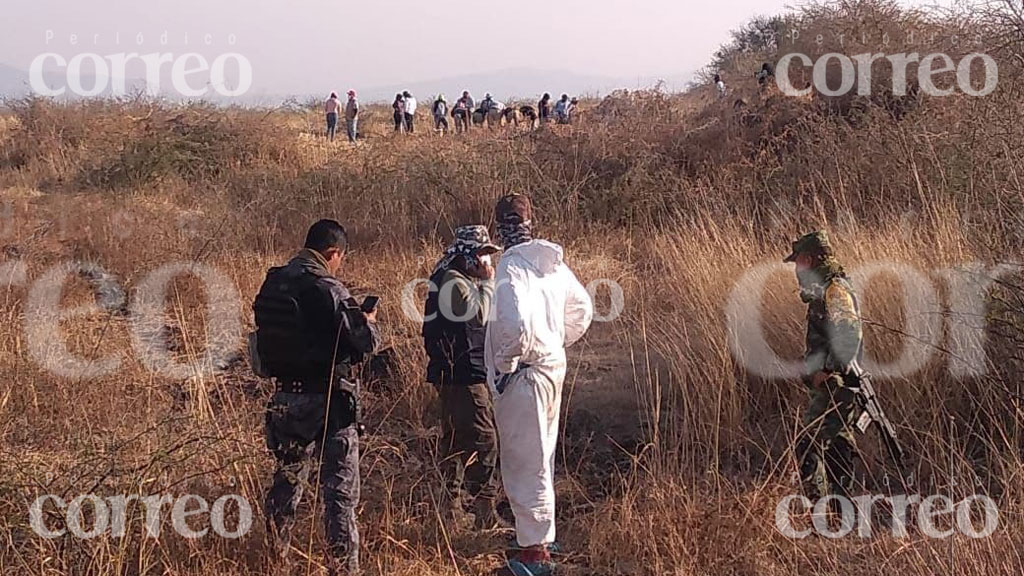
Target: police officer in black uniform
{"x":310,"y":333}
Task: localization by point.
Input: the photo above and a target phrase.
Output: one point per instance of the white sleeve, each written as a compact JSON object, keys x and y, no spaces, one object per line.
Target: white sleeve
{"x":579,"y":309}
{"x":508,"y":328}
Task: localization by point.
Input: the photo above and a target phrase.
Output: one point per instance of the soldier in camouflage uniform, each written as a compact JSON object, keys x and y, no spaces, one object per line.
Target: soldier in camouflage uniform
{"x":825,"y":448}
{"x":310,"y":333}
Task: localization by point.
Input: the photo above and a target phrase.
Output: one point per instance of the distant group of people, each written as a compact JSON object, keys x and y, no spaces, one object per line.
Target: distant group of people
{"x":563,"y":111}
{"x":333,"y":107}
{"x":764,"y":77}
{"x":404,"y":106}
{"x":465,"y":112}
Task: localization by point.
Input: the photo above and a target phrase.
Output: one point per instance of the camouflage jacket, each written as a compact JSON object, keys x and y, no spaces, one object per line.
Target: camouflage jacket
{"x":834,"y":331}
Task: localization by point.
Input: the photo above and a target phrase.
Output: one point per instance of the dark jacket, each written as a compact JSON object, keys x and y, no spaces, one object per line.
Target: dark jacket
{"x":331,"y":333}
{"x":544,"y":109}
{"x":455,"y":347}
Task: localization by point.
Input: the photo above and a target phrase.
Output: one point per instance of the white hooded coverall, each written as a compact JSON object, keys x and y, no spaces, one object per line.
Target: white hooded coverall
{"x":539,"y":309}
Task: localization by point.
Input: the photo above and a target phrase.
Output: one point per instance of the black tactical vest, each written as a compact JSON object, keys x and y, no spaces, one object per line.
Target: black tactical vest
{"x":455,"y":350}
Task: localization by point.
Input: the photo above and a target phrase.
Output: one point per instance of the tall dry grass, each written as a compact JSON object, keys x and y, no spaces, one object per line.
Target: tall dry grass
{"x":674,"y":453}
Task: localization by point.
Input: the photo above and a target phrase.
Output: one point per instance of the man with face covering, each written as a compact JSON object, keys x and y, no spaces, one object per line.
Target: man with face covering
{"x":833,"y":344}
{"x":540,"y":308}
{"x":454,"y":326}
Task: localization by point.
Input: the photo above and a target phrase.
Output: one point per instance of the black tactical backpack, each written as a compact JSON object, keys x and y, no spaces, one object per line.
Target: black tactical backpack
{"x":280,"y":328}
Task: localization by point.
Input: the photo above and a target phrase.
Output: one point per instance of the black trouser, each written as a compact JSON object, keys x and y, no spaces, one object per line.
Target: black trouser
{"x":399,"y":121}
{"x":469,"y":442}
{"x":410,"y":120}
{"x":295,"y":429}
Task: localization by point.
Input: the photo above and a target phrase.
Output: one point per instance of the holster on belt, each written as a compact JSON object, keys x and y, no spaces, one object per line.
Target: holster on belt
{"x":344,"y":394}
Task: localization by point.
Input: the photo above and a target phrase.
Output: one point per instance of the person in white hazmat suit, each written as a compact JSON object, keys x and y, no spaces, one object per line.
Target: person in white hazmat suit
{"x":539,"y":309}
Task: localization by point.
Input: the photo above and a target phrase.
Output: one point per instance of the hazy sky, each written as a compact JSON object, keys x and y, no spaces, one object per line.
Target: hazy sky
{"x":311,"y":46}
{"x":314,"y":45}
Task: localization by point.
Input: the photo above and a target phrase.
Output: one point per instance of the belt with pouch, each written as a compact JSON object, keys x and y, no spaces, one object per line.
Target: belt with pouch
{"x":313,"y":385}
{"x":300,"y":387}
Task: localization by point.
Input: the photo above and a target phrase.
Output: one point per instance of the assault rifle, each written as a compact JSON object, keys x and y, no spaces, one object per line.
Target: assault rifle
{"x":872,"y":413}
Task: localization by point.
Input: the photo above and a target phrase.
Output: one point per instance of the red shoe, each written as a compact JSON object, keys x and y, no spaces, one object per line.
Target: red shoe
{"x":534,"y":561}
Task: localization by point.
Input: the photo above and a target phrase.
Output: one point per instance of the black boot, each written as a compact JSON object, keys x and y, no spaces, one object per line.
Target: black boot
{"x":487,"y":517}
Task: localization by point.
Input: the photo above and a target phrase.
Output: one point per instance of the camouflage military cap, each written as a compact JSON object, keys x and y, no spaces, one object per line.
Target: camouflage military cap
{"x":813,"y":242}
{"x":473,"y":240}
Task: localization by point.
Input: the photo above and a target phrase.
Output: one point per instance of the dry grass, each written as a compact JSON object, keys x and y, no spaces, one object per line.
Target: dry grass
{"x":674,"y":455}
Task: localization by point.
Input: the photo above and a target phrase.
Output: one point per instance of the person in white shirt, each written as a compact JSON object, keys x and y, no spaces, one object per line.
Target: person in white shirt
{"x":562,"y":110}
{"x":410,"y":111}
{"x":489,"y":103}
{"x":539,"y":309}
